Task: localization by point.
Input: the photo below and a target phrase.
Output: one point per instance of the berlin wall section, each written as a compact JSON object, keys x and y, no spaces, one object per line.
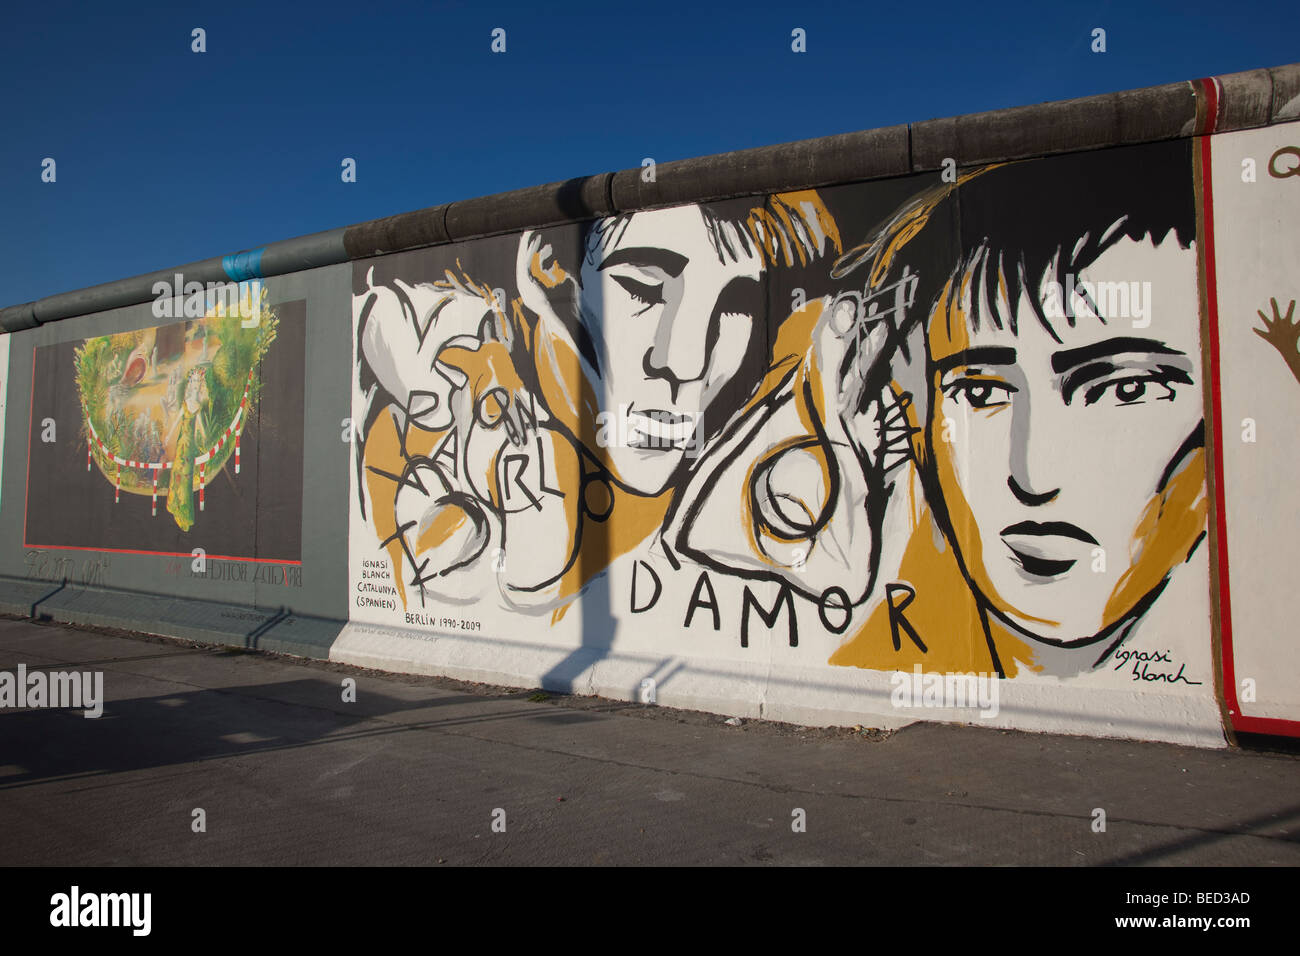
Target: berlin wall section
{"x":962,"y":425}
{"x":176,"y":474}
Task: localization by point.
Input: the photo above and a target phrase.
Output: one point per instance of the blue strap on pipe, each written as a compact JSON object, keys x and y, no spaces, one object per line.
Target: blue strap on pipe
{"x":243,"y":265}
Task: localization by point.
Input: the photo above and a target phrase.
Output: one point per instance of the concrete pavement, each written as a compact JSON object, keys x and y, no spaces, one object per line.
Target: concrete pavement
{"x":416,"y":769}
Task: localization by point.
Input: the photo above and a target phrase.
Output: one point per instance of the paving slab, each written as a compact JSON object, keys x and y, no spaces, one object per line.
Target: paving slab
{"x":416,"y":771}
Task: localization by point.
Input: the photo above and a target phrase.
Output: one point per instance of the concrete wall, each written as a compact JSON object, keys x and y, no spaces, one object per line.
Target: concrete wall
{"x":1254,"y":330}
{"x":798,"y":433}
{"x":268,"y":544}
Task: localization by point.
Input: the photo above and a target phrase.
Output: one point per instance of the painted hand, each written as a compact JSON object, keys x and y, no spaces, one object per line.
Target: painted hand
{"x":1283,"y":334}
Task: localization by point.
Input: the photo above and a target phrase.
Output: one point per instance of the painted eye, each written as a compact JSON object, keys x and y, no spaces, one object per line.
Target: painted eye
{"x":1130,"y":391}
{"x":645,"y":293}
{"x":981,"y":394}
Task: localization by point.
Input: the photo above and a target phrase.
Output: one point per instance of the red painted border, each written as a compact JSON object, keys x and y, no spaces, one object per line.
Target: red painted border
{"x":168,"y":554}
{"x":1240,"y":721}
{"x":31,"y":415}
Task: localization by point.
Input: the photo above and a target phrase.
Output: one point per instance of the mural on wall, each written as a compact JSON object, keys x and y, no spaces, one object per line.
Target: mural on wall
{"x":185,"y":424}
{"x":893,"y":432}
{"x":1255,"y":180}
{"x":515,"y":445}
{"x":1056,"y":417}
{"x":164,"y":409}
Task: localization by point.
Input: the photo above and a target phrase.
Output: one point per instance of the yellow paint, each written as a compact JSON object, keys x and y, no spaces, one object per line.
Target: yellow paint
{"x":547,"y":278}
{"x":943,"y":612}
{"x":633,"y":518}
{"x":449,"y":520}
{"x":1163,"y":539}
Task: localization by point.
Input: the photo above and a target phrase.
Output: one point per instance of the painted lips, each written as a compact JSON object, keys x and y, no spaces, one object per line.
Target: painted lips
{"x":658,"y":429}
{"x":1036,"y":545}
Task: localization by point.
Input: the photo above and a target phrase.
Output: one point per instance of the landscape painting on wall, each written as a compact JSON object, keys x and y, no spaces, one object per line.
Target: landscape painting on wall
{"x":171,"y":438}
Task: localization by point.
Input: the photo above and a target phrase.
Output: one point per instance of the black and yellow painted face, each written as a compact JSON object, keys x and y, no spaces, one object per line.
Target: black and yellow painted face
{"x":1067,"y":439}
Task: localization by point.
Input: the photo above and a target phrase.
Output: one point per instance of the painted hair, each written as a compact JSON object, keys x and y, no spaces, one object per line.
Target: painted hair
{"x":1019,"y":224}
{"x":792,"y":230}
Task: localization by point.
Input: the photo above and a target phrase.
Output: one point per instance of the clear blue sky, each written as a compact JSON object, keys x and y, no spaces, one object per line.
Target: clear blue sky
{"x":165,"y":156}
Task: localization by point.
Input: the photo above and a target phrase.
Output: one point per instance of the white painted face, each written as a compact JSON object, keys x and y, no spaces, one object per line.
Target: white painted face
{"x":672,"y":317}
{"x":1067,"y":466}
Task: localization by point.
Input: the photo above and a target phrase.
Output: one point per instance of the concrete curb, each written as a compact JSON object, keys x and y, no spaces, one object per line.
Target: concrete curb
{"x":232,"y":625}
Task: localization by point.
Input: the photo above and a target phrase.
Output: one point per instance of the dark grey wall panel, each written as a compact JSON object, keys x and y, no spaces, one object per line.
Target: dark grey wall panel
{"x":874,"y":154}
{"x":318,"y":586}
{"x":1286,"y":93}
{"x":124,"y":292}
{"x":304,"y":252}
{"x":573,"y":200}
{"x":1158,"y":113}
{"x":15,"y":318}
{"x":1246,"y":100}
{"x":409,"y":230}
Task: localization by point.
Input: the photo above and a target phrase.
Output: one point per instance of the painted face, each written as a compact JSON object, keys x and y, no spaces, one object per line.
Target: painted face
{"x":672,"y":318}
{"x":1070,"y":463}
{"x":196,"y":390}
